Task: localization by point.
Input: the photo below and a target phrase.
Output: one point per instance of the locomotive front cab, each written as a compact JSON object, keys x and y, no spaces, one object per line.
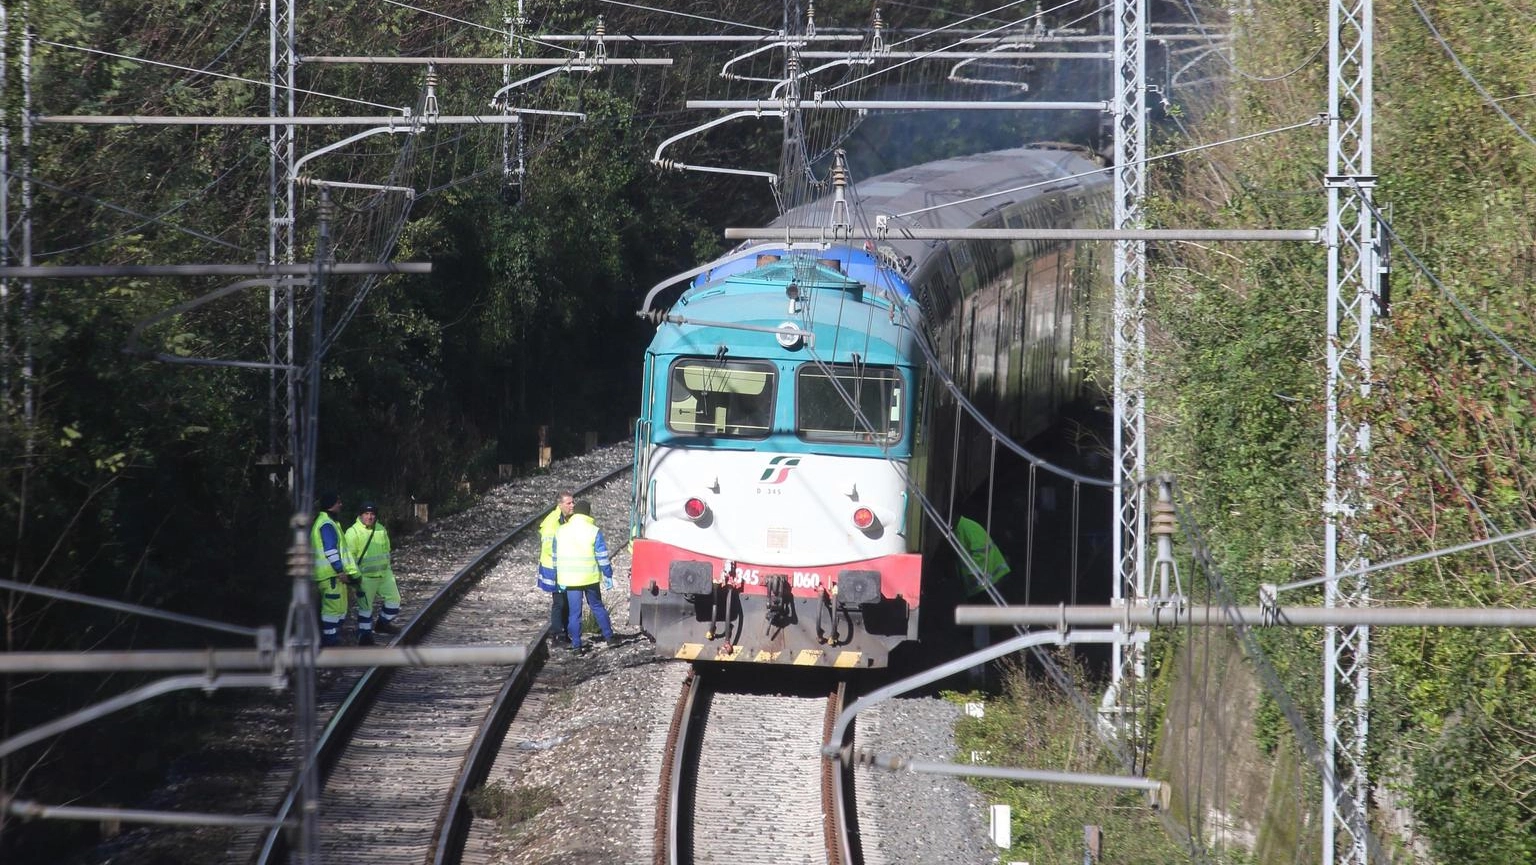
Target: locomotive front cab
{"x":771,"y":507}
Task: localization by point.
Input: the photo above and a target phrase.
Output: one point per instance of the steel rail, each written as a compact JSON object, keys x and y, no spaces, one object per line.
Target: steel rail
{"x":338,"y":729}
{"x":837,"y":799}
{"x":681,"y":741}
{"x":454,"y":824}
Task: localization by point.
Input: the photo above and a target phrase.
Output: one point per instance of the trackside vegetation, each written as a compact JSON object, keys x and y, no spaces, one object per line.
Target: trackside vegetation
{"x":1236,"y":412}
{"x":128,"y":478}
{"x":1237,"y":363}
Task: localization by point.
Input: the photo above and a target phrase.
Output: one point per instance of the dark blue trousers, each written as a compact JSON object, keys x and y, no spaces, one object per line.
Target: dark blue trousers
{"x":594,"y":598}
{"x":558,"y":613}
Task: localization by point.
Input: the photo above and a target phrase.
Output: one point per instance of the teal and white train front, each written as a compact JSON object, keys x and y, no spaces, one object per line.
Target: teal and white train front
{"x":788,"y":401}
{"x":772,"y":520}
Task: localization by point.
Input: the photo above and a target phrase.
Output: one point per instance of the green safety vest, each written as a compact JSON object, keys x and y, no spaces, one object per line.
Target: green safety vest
{"x":323,"y":569}
{"x":978,"y":545}
{"x":371,"y":555}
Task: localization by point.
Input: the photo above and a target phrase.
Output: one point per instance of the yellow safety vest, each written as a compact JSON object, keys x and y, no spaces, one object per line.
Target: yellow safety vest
{"x":372,"y":556}
{"x":547,"y":529}
{"x":575,"y":549}
{"x":323,"y":569}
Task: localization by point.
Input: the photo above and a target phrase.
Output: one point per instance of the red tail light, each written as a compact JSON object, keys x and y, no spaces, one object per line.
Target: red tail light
{"x":694,"y":508}
{"x":863,"y":518}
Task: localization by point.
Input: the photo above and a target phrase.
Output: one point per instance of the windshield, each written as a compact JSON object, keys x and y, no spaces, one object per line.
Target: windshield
{"x":732,"y":398}
{"x":827,"y":397}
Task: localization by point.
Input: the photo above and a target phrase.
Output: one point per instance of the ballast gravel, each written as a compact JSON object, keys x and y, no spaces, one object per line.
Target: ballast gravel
{"x":583,"y":757}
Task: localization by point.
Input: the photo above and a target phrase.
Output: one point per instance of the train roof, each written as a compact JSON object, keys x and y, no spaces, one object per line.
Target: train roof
{"x":959,"y":192}
{"x":969,"y":187}
{"x":741,"y":310}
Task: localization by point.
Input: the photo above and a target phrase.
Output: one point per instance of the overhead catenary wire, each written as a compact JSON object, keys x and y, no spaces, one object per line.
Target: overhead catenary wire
{"x":678,"y":14}
{"x":146,"y":218}
{"x":222,"y":75}
{"x":1466,"y":311}
{"x":498,"y":31}
{"x":1467,"y":73}
{"x":999,"y":28}
{"x":1315,"y":121}
{"x":1261,"y":79}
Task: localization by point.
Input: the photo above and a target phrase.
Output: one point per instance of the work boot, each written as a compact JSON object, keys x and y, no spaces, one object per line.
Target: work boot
{"x":365,"y":638}
{"x":385,"y":627}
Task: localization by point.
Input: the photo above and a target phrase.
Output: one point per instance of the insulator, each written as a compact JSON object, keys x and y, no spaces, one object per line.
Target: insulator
{"x":300,"y":557}
{"x":429,"y":103}
{"x":1163,"y":519}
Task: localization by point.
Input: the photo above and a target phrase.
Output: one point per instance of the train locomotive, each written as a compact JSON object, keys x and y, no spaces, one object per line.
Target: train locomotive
{"x":791,"y":416}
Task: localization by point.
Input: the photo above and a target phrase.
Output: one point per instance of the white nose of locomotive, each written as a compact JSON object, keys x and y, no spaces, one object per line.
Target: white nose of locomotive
{"x":777,"y":509}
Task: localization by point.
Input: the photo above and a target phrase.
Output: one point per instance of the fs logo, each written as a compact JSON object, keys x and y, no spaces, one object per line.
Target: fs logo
{"x":777,"y":470}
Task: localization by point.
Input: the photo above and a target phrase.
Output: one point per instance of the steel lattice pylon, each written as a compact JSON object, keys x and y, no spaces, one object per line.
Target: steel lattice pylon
{"x":1351,"y":261}
{"x":282,"y":68}
{"x":5,"y":215}
{"x":1130,"y":338}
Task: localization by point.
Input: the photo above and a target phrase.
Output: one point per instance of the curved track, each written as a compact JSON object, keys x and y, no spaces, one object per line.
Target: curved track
{"x":400,"y":749}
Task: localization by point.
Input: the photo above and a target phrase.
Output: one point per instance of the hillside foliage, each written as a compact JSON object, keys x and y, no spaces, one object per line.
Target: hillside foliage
{"x":137,"y":480}
{"x":1238,"y":415}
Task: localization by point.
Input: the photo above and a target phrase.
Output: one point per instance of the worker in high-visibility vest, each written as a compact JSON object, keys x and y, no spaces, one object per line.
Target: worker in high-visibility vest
{"x":334,"y":568}
{"x":985,"y":554}
{"x":559,"y":606}
{"x":581,"y":559}
{"x":368,"y":543}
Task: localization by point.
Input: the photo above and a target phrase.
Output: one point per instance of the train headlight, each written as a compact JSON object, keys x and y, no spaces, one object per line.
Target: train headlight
{"x":863,"y":519}
{"x":789,"y":335}
{"x":695,"y":509}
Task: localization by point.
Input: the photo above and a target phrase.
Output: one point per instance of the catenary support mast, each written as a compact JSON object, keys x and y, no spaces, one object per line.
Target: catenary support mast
{"x":1351,"y":258}
{"x":1129,"y":444}
{"x":282,"y":395}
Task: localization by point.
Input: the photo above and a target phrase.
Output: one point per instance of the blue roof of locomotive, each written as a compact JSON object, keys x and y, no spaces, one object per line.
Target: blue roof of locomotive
{"x":846,"y":316}
{"x":859,"y":265}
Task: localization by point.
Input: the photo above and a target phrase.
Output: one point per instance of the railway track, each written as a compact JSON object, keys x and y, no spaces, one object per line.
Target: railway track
{"x":744,"y":782}
{"x":400,"y":749}
{"x":582,"y":752}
